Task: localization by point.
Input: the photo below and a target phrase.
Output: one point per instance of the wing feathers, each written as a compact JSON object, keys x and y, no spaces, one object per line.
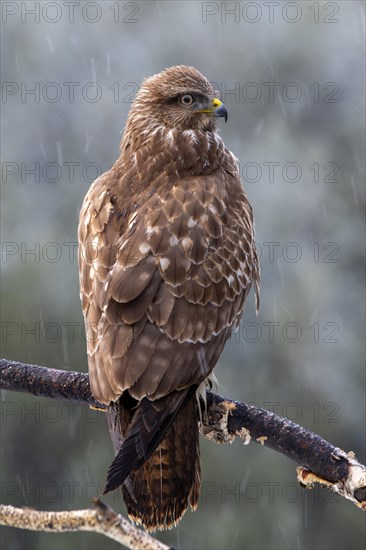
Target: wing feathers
{"x":128,"y":282}
{"x":171,"y":274}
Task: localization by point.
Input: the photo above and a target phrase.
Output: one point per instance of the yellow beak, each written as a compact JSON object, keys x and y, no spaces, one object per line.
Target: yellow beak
{"x":217,"y":109}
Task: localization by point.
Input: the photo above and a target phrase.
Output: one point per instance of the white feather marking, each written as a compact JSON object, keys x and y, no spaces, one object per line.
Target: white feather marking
{"x":235,"y":159}
{"x":132,"y":220}
{"x":192,"y":135}
{"x":170,"y":136}
{"x":164,"y":263}
{"x":87,"y":218}
{"x":191,"y":223}
{"x":218,"y":141}
{"x":144,"y":248}
{"x":157,"y":129}
{"x":151,"y":230}
{"x":230,"y":279}
{"x":187,"y":243}
{"x":173,"y":241}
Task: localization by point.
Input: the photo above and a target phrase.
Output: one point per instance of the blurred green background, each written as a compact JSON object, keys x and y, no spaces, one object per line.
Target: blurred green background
{"x":292,"y":77}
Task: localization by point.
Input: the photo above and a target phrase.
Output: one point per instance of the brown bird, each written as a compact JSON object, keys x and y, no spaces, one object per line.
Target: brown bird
{"x":167,"y":258}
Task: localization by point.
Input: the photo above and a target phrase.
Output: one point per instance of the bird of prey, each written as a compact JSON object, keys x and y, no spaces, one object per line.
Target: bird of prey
{"x":166,"y":257}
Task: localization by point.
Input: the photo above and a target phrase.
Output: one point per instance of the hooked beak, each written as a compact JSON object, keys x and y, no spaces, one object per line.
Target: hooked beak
{"x":219,"y":109}
{"x":216,"y":109}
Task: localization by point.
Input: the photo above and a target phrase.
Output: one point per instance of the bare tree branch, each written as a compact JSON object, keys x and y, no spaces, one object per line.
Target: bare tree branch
{"x":320,"y":462}
{"x":102,"y":520}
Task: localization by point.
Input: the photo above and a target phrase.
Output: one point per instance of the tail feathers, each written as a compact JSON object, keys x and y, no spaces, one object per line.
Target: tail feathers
{"x":150,"y":422}
{"x":158,"y":494}
{"x":158,"y":463}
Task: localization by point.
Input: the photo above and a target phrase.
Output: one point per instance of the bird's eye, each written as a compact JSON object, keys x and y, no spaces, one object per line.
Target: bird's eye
{"x":186,"y":99}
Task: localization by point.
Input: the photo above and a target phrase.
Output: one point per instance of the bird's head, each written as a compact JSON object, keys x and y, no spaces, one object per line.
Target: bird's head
{"x":179,"y":97}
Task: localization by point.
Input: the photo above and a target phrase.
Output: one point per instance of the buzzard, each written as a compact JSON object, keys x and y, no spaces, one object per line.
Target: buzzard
{"x":166,"y":258}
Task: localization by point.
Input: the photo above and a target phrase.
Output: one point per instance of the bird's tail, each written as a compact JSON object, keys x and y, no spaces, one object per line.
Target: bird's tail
{"x":158,"y":460}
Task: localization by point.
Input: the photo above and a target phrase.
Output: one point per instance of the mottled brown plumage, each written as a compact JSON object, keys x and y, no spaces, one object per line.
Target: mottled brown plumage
{"x":167,"y":258}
